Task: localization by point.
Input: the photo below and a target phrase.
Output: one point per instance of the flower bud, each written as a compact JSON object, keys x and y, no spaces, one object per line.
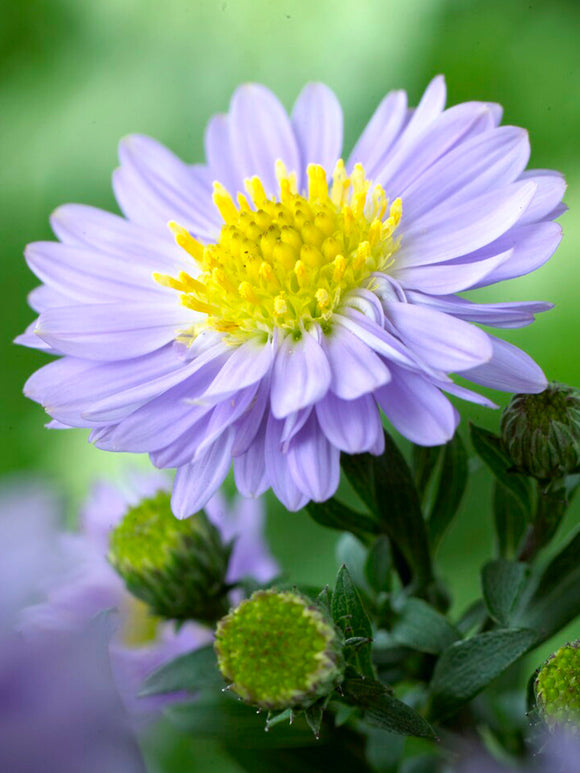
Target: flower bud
{"x":278,"y":650}
{"x":541,"y":432}
{"x":557,"y":689}
{"x":177,"y":567}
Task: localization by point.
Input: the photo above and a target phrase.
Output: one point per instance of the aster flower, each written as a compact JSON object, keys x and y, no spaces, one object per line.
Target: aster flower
{"x":59,"y":707}
{"x":293,"y":296}
{"x":141,"y":642}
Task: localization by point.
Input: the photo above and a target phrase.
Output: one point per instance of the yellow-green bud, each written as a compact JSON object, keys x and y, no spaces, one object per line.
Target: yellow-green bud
{"x":541,"y":432}
{"x":557,"y":689}
{"x":177,"y":567}
{"x":278,"y":650}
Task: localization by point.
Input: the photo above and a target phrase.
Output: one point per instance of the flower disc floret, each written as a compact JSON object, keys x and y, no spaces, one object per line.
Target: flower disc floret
{"x":288,"y":262}
{"x":177,"y":567}
{"x":277,"y":650}
{"x":557,"y":688}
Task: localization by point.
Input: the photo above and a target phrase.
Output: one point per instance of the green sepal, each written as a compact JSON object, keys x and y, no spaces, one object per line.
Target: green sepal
{"x":383,"y":710}
{"x":502,"y":584}
{"x":386,"y":486}
{"x":468,"y":666}
{"x":350,"y":616}
{"x":192,"y":671}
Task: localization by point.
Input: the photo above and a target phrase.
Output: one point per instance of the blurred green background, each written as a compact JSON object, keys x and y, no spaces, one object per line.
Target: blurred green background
{"x":76,"y":77}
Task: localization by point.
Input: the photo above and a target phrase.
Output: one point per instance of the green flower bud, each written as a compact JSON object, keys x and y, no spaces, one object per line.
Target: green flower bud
{"x":557,"y":689}
{"x":541,"y":432}
{"x":278,"y":651}
{"x":177,"y":567}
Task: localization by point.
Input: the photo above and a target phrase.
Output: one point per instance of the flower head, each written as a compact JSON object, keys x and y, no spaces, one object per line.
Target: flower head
{"x":557,"y":689}
{"x":293,"y":296}
{"x":177,"y":567}
{"x":277,"y":650}
{"x":90,"y":584}
{"x":542,"y":432}
{"x":59,"y":707}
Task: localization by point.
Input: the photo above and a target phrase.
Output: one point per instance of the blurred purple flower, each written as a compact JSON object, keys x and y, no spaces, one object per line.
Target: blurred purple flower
{"x":280,"y":324}
{"x":557,"y":753}
{"x":60,"y":711}
{"x":141,"y":643}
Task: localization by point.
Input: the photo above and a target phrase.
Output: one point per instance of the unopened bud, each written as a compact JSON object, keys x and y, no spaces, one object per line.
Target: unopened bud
{"x":541,"y":432}
{"x":177,"y":567}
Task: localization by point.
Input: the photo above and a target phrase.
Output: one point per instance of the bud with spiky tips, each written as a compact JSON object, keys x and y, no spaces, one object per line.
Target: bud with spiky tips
{"x":541,"y":432}
{"x":177,"y":567}
{"x":557,"y":689}
{"x":278,"y":650}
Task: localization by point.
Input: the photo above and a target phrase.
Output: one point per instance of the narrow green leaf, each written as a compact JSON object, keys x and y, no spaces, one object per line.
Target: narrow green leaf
{"x":349,"y":615}
{"x":510,"y":519}
{"x":386,"y":486}
{"x":335,"y":515}
{"x":379,"y":564}
{"x":383,"y":710}
{"x":452,"y":481}
{"x":468,"y":666}
{"x":488,"y":446}
{"x":502,"y":584}
{"x":422,"y":628}
{"x":424,"y":461}
{"x":192,"y":672}
{"x":556,"y":600}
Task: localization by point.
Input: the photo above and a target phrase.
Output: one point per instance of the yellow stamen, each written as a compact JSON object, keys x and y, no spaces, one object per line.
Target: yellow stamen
{"x":287,"y":262}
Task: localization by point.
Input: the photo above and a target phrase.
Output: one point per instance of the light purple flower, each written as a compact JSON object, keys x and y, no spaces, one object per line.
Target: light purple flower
{"x":59,"y":708}
{"x":140,"y":643}
{"x":276,"y":339}
{"x":558,"y":753}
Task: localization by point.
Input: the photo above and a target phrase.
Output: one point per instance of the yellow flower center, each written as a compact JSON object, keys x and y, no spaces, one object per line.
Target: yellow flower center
{"x":287,"y":263}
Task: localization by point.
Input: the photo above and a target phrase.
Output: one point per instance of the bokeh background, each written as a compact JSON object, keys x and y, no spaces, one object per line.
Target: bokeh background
{"x":76,"y":77}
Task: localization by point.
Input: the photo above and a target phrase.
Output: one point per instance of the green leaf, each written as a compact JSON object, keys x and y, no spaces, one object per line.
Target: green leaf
{"x":468,"y":666}
{"x":451,"y":484}
{"x":235,"y":724}
{"x":335,"y":515}
{"x":510,"y":520}
{"x":502,"y":584}
{"x":424,"y":461}
{"x":351,"y":553}
{"x":349,"y":615}
{"x":383,"y":710}
{"x":556,"y":600}
{"x":379,"y":564}
{"x":474,"y":617}
{"x":422,"y":628}
{"x":192,"y":672}
{"x":386,"y":486}
{"x":488,"y":446}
